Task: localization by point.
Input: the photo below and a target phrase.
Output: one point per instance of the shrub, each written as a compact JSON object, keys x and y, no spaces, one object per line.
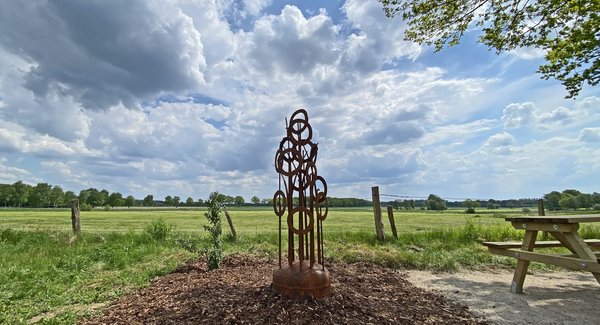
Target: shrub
{"x":158,"y":230}
{"x":214,"y":253}
{"x":85,"y":207}
{"x":596,"y":207}
{"x":469,"y":233}
{"x":526,"y":210}
{"x":470,"y":210}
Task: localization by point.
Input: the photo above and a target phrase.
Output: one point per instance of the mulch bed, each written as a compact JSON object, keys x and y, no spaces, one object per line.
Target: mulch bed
{"x":239,"y":293}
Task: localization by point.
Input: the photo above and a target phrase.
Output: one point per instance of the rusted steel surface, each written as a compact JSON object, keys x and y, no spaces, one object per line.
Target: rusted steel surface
{"x":302,"y":199}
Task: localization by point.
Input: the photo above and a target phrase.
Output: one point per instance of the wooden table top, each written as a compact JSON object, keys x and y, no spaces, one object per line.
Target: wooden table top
{"x":556,"y":219}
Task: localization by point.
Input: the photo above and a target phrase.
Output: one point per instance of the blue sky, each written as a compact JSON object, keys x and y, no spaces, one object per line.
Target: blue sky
{"x":189,"y":97}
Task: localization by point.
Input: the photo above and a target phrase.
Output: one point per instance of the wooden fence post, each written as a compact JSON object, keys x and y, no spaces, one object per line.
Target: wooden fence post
{"x":542,"y":212}
{"x":75,"y":216}
{"x":233,"y":232}
{"x":377,"y":213}
{"x":392,"y":222}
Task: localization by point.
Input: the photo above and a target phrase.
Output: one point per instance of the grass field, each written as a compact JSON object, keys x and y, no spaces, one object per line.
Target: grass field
{"x":50,"y":277}
{"x":248,"y":220}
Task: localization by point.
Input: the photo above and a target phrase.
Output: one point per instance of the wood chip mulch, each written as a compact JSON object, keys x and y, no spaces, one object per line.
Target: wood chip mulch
{"x":239,"y":293}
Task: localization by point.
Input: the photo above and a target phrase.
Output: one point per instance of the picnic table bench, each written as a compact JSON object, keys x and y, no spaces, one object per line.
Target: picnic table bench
{"x":584,"y":254}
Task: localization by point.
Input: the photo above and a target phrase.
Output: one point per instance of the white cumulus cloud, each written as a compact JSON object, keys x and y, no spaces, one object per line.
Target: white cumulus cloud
{"x":517,"y":115}
{"x":590,"y":135}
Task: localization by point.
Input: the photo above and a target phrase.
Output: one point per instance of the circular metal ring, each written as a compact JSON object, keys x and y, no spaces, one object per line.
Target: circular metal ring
{"x":301,"y":176}
{"x":321,"y":202}
{"x":296,"y":129}
{"x":324,"y":184}
{"x":279,"y":203}
{"x":290,"y":221}
{"x":287,"y":156}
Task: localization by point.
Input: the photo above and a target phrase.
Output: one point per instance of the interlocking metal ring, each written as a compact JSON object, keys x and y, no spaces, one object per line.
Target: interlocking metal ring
{"x":279,"y":203}
{"x":290,"y":221}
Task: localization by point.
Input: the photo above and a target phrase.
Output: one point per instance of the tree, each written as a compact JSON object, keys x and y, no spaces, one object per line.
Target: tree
{"x":565,"y":30}
{"x":129,"y":201}
{"x":115,"y":199}
{"x":238,"y":200}
{"x":225,"y":199}
{"x":595,"y":198}
{"x":21,"y":193}
{"x":255,"y":200}
{"x":104,"y":194}
{"x":69,"y":196}
{"x":434,"y":202}
{"x":492,"y":206}
{"x":96,"y":198}
{"x":57,"y":196}
{"x":176,"y":201}
{"x":584,"y":200}
{"x":149,"y":200}
{"x":189,"y":202}
{"x":571,"y":192}
{"x":471,"y":205}
{"x":6,"y":194}
{"x":553,"y":200}
{"x":168,"y":200}
{"x":568,"y":202}
{"x":40,"y":195}
{"x":83,"y":196}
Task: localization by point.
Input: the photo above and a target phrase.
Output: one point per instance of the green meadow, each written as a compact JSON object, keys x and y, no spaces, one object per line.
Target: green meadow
{"x":248,"y":220}
{"x":50,"y":276}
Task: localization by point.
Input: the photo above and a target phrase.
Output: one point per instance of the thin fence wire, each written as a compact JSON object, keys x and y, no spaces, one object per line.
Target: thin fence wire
{"x":425,"y":197}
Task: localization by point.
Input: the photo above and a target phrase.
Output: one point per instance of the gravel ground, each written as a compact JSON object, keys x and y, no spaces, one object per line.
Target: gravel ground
{"x":566,"y":298}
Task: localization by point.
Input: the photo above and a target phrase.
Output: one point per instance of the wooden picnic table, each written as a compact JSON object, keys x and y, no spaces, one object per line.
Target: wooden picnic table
{"x":565,"y":229}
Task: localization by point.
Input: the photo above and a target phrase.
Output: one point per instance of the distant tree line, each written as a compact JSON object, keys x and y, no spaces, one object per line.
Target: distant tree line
{"x":41,"y":195}
{"x":571,"y":200}
{"x":44,"y":195}
{"x":566,"y":200}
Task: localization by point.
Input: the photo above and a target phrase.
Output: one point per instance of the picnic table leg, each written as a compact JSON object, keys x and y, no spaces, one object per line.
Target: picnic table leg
{"x":582,"y":249}
{"x":522,"y":265}
{"x":561,"y":238}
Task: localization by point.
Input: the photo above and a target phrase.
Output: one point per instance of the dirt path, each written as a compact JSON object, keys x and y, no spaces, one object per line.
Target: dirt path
{"x":549,"y":298}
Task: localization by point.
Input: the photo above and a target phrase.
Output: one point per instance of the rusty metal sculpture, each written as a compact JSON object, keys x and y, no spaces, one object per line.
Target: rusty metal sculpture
{"x":304,"y":198}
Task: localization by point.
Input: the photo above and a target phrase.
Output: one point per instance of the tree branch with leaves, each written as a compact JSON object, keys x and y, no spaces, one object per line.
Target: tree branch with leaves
{"x":568,"y":31}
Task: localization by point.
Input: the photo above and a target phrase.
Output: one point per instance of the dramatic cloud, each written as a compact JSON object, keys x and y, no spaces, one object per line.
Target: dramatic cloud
{"x":292,"y":43}
{"x":380,"y":39}
{"x":101,"y":56}
{"x":185,"y":97}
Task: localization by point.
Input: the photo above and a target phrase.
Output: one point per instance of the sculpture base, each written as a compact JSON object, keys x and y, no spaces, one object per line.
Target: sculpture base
{"x":301,"y":281}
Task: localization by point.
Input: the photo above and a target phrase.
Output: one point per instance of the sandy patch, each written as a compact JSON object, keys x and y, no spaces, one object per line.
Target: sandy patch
{"x":549,"y":298}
